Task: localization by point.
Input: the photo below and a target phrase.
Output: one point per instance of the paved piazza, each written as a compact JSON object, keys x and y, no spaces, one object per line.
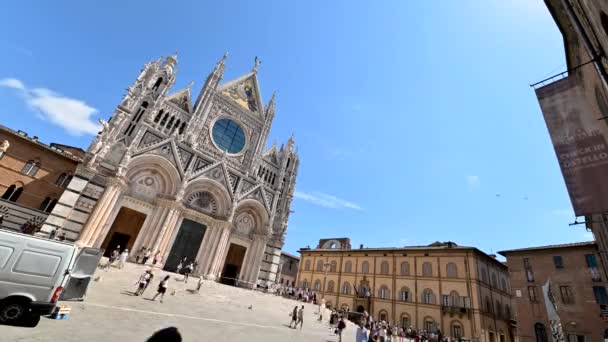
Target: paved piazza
{"x":217,"y":313}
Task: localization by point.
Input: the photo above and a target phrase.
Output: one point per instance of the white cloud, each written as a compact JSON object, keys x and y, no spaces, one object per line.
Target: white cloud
{"x":74,"y":115}
{"x":473,"y":180}
{"x":326,"y":200}
{"x":12,"y":83}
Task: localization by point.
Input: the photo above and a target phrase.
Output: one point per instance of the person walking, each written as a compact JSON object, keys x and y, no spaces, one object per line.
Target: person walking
{"x":300,"y":318}
{"x":294,"y":317}
{"x":123,"y":258}
{"x":362,"y":334}
{"x":143,"y":282}
{"x":340,"y":328}
{"x":187,"y":272}
{"x":147,"y":254}
{"x":156,"y":258}
{"x":162,"y":288}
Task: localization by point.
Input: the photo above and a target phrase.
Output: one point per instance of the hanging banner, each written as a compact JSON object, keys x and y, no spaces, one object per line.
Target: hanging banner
{"x":580,"y":147}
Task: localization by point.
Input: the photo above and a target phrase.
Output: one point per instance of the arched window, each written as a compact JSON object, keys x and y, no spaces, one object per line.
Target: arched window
{"x":427,"y":269}
{"x":488,"y":305}
{"x":383,"y":315}
{"x":498,"y":308}
{"x":333,"y":266}
{"x":307,"y":265}
{"x":384,"y":292}
{"x":12,"y":193}
{"x":182,"y":127}
{"x":428,"y":297}
{"x":304,"y":284}
{"x":348,"y":266}
{"x":455,"y":300}
{"x":48,"y":204}
{"x":317,"y":285}
{"x":457,"y":330}
{"x":540,"y":332}
{"x":405,"y":321}
{"x":159,"y":81}
{"x":404,"y":294}
{"x":451,"y":270}
{"x":494,"y":280}
{"x":320,"y":266}
{"x":63,"y":180}
{"x":365,"y":267}
{"x":384,"y":268}
{"x":604,"y":20}
{"x":158,"y":116}
{"x":163,"y":122}
{"x":345,"y":288}
{"x":405,"y":268}
{"x":170,"y":123}
{"x":31,"y":168}
{"x":330,"y":286}
{"x":484,"y":275}
{"x":503,"y":284}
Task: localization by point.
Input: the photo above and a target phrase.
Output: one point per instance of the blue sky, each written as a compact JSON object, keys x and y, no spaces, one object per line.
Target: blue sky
{"x":410,"y":116}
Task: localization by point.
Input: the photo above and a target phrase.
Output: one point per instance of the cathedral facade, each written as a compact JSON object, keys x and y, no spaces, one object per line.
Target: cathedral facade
{"x":187,"y":178}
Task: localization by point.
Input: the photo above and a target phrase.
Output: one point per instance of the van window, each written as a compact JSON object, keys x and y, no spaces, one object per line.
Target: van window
{"x":5,"y":254}
{"x":39,"y":264}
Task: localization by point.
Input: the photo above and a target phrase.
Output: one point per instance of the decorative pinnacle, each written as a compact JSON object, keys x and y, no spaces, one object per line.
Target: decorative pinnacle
{"x":256,"y":64}
{"x":190,"y":85}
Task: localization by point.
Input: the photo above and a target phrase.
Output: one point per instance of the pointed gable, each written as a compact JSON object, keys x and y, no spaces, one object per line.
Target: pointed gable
{"x":245,"y":92}
{"x":182,"y":99}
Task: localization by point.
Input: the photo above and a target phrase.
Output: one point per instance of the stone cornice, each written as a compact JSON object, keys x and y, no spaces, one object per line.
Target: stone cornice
{"x":171,"y":204}
{"x":116,"y":182}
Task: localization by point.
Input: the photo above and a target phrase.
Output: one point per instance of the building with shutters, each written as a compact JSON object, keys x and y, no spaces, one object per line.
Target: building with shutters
{"x":458,"y":290}
{"x":33,"y":176}
{"x":188,"y":177}
{"x":578,"y":286}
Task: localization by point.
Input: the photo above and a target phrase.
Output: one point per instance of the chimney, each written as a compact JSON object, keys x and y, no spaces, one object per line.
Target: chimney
{"x":361,"y":246}
{"x":35,"y":138}
{"x":493,"y":256}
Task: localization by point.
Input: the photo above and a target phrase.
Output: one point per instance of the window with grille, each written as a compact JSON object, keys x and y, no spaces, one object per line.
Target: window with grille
{"x":405,"y":268}
{"x":558,"y":261}
{"x":566,"y":293}
{"x":532,"y":293}
{"x":427,"y":269}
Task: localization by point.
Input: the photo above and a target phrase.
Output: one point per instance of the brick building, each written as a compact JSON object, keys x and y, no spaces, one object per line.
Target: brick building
{"x":459,"y":290}
{"x":33,"y":176}
{"x":288,"y":269}
{"x":577,"y":283}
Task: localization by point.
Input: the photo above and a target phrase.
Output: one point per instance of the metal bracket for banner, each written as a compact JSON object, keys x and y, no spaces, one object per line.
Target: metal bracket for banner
{"x":564,"y":73}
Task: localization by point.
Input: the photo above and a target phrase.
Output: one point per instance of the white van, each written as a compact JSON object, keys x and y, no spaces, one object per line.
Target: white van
{"x":33,"y":274}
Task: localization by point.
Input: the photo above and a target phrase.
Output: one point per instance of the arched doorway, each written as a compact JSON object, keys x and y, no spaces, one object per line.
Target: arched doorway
{"x":540,"y":332}
{"x":124,"y":230}
{"x":360,"y":309}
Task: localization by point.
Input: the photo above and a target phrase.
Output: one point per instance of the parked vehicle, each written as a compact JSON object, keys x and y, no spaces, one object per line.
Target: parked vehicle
{"x":34,"y":272}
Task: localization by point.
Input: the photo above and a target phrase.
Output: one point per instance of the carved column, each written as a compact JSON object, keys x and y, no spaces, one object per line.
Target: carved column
{"x":167,"y":224}
{"x":171,"y":232}
{"x":204,"y":257}
{"x":256,"y":261}
{"x":103,"y":209}
{"x":221,"y":250}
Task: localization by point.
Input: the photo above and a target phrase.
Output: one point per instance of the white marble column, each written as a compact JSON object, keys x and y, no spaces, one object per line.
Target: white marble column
{"x":222,"y":248}
{"x":102,"y":210}
{"x":106,"y":225}
{"x":155,"y":226}
{"x":167,"y":226}
{"x":171,"y":233}
{"x":204,"y":255}
{"x":256,"y":260}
